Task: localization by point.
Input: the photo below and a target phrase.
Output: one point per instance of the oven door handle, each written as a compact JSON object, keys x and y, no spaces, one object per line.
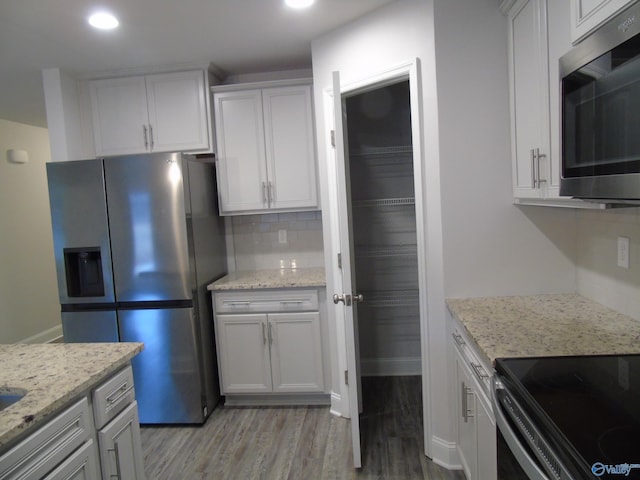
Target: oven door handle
{"x":526,"y":461}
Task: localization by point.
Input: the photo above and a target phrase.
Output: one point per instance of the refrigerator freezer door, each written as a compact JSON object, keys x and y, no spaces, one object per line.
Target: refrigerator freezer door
{"x":80,"y":231}
{"x":146,"y":202}
{"x":90,"y":326}
{"x":166,"y":373}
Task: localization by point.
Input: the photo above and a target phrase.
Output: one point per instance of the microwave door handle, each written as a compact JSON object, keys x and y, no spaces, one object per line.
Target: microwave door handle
{"x":525,"y":460}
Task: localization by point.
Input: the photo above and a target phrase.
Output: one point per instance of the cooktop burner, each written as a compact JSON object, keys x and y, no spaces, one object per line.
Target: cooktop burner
{"x":589,"y":406}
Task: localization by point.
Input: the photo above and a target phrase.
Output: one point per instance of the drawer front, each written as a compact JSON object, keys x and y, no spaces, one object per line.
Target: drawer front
{"x":81,"y":465}
{"x":480,"y":370}
{"x":39,"y":453}
{"x":113,"y":396}
{"x":254,"y":301}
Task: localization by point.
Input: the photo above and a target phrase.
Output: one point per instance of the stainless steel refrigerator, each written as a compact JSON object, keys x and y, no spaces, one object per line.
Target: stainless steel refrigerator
{"x":136,"y":241}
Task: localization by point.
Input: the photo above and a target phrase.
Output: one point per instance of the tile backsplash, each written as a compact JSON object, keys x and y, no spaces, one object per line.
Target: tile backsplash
{"x":277,"y":240}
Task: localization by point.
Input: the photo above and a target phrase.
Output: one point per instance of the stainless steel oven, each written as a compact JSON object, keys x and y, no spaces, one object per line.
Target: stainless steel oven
{"x":568,"y":417}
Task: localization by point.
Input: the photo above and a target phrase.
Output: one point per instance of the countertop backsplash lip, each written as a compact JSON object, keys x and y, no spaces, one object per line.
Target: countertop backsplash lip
{"x":271,"y":278}
{"x":545,"y":325}
{"x":53,"y":375}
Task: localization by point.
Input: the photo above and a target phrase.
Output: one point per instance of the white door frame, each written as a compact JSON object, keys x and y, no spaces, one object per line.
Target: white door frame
{"x":409,"y":70}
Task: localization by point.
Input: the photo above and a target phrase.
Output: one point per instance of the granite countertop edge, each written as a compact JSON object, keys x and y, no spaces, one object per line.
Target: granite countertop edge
{"x":271,"y":278}
{"x":53,"y":383}
{"x":544,"y":325}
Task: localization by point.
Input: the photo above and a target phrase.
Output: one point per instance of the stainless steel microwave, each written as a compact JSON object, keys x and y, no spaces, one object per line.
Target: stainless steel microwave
{"x":600,"y":96}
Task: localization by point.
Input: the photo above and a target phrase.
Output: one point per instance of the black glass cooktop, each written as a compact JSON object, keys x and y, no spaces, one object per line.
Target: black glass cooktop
{"x":587,"y":406}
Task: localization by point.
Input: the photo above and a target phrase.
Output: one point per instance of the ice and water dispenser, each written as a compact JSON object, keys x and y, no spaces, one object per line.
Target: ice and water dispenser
{"x":83,"y":268}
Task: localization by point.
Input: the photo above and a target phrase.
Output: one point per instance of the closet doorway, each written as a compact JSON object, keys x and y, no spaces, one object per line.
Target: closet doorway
{"x":381,"y":250}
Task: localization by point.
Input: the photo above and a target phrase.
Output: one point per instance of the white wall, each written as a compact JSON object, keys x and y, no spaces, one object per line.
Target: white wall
{"x":29,"y":307}
{"x":491,"y":247}
{"x":599,"y":276}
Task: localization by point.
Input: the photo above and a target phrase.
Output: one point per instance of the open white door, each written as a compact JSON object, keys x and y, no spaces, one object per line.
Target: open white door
{"x":349,"y":298}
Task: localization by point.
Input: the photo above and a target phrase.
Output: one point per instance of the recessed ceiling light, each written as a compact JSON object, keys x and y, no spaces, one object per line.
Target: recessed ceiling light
{"x":103,"y":21}
{"x":299,"y":3}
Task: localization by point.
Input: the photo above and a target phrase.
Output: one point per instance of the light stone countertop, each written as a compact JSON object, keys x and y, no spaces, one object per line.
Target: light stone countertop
{"x":277,"y":278}
{"x":545,"y":325}
{"x":53,"y":374}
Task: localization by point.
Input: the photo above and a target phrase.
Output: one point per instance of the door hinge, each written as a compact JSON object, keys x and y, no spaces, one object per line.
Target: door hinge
{"x":333,"y":138}
{"x":340,"y":261}
{"x":346,"y":377}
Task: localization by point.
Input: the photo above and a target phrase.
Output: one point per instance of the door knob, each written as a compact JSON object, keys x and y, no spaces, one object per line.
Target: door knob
{"x":358,"y":298}
{"x":344,"y":298}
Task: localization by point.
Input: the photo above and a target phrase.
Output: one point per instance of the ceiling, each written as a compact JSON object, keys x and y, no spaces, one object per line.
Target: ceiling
{"x":237,"y":36}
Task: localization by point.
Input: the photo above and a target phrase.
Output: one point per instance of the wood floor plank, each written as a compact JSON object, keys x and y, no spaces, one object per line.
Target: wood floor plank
{"x":300,"y":443}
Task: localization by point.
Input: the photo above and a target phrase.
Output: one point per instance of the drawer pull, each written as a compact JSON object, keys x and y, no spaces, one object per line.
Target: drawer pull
{"x":291,"y":302}
{"x":458,"y":338}
{"x":479,"y":371}
{"x":116,"y":396}
{"x":238,"y":304}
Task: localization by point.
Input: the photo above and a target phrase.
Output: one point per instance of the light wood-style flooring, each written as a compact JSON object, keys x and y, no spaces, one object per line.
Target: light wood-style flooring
{"x":300,"y":442}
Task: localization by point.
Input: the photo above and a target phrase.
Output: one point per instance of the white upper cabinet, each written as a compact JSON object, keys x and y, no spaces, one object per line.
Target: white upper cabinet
{"x":265,"y":149}
{"x":538,"y":37}
{"x":588,"y":15}
{"x":529,"y":76}
{"x":163,"y":112}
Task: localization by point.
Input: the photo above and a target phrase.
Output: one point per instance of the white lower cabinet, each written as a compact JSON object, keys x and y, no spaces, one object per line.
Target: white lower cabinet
{"x":262,"y":353}
{"x":475,"y":423}
{"x":120,"y":447}
{"x":269,"y":343}
{"x":65,"y":447}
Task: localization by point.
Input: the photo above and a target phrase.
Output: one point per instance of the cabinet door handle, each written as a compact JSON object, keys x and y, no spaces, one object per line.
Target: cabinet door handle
{"x":270,"y":193}
{"x":264,"y":193}
{"x":538,"y":157}
{"x":144,"y":134}
{"x":116,"y":456}
{"x":151,"y":137}
{"x":270,"y":335}
{"x":264,"y":336}
{"x":466,"y":412}
{"x":534,"y":179}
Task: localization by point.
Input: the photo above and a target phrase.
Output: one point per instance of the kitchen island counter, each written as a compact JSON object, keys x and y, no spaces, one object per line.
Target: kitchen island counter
{"x":276,"y":278}
{"x":53,"y":375}
{"x":545,"y":325}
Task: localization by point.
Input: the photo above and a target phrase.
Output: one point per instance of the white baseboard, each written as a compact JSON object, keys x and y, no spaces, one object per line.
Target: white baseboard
{"x":445,"y":454}
{"x":51,"y":335}
{"x":375,"y":367}
{"x":336,"y":404}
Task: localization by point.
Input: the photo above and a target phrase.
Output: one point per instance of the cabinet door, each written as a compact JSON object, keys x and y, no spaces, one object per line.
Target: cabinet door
{"x":120,"y":446}
{"x":296,"y":352}
{"x":587,"y":15}
{"x":465,"y":423}
{"x":177,"y":111}
{"x":242,"y":175}
{"x":290,"y":147}
{"x":529,"y":96}
{"x":486,"y":441}
{"x":243,"y":353}
{"x":80,"y":465}
{"x":120,"y":118}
